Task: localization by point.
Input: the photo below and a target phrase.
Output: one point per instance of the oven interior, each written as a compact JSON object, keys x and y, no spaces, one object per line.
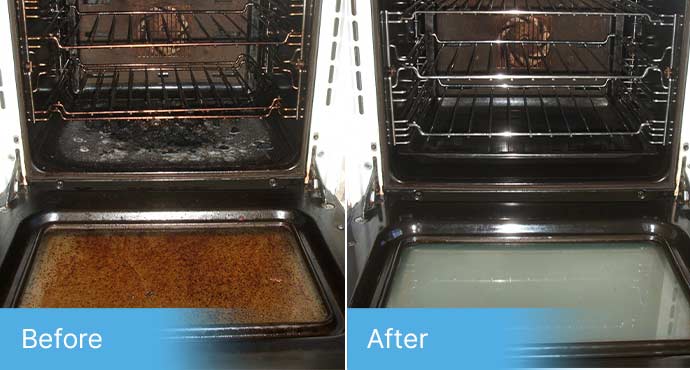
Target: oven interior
{"x":132,"y":85}
{"x":531,"y":90}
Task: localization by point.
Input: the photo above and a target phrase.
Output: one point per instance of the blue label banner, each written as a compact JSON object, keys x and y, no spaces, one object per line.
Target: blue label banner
{"x":91,"y":339}
{"x":439,"y":338}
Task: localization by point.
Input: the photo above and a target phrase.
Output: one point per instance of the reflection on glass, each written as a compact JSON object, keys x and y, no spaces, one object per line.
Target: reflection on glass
{"x":623,"y":291}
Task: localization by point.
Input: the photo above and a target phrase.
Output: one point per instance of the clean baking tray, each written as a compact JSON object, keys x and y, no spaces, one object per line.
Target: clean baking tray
{"x":631,"y":277}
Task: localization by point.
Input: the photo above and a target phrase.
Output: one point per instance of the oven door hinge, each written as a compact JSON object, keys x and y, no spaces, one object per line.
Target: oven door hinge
{"x":683,"y":196}
{"x":372,"y":200}
{"x":683,"y":192}
{"x":9,"y":195}
{"x":315,"y":185}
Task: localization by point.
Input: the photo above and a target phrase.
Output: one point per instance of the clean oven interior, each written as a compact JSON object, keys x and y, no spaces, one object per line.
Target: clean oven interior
{"x":115,"y":86}
{"x":531,"y":90}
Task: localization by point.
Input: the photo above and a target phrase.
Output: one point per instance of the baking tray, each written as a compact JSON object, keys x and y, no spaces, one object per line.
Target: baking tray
{"x":374,"y":282}
{"x":21,"y":256}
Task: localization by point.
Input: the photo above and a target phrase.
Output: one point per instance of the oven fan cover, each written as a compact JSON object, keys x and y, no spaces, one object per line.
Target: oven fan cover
{"x":522,"y":49}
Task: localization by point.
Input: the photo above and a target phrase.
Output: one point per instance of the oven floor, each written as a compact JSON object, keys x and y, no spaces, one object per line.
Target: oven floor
{"x":247,"y":275}
{"x":165,"y":145}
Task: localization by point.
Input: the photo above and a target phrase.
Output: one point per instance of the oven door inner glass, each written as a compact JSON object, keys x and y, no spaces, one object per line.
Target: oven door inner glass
{"x":246,"y":275}
{"x":625,"y":291}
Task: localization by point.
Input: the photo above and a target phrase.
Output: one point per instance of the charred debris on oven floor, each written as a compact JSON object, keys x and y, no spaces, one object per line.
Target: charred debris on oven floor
{"x":157,"y":144}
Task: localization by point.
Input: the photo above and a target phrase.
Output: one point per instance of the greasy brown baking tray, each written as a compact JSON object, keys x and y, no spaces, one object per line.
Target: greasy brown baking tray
{"x":259,"y":272}
{"x":251,"y":278}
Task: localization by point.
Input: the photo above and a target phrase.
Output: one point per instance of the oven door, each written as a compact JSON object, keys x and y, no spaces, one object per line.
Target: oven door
{"x":267,"y":269}
{"x":624,"y":274}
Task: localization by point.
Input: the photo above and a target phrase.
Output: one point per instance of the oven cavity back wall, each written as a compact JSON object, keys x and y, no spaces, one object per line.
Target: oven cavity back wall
{"x":531,"y":89}
{"x":164,"y":85}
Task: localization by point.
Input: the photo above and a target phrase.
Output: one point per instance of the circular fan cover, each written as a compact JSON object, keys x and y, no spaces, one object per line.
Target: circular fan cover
{"x":525,"y":28}
{"x":177,"y":27}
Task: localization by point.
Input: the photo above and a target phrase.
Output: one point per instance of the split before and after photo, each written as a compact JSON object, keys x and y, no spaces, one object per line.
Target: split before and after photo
{"x":330,"y":184}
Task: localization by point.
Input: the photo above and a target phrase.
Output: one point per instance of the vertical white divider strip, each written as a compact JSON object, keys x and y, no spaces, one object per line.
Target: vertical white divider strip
{"x":364,"y":128}
{"x":330,"y":116}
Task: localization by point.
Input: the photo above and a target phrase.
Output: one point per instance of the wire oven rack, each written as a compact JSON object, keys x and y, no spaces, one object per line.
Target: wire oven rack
{"x":162,"y":91}
{"x":488,"y":60}
{"x":533,"y":7}
{"x":450,"y":89}
{"x":528,"y":111}
{"x":72,"y":29}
